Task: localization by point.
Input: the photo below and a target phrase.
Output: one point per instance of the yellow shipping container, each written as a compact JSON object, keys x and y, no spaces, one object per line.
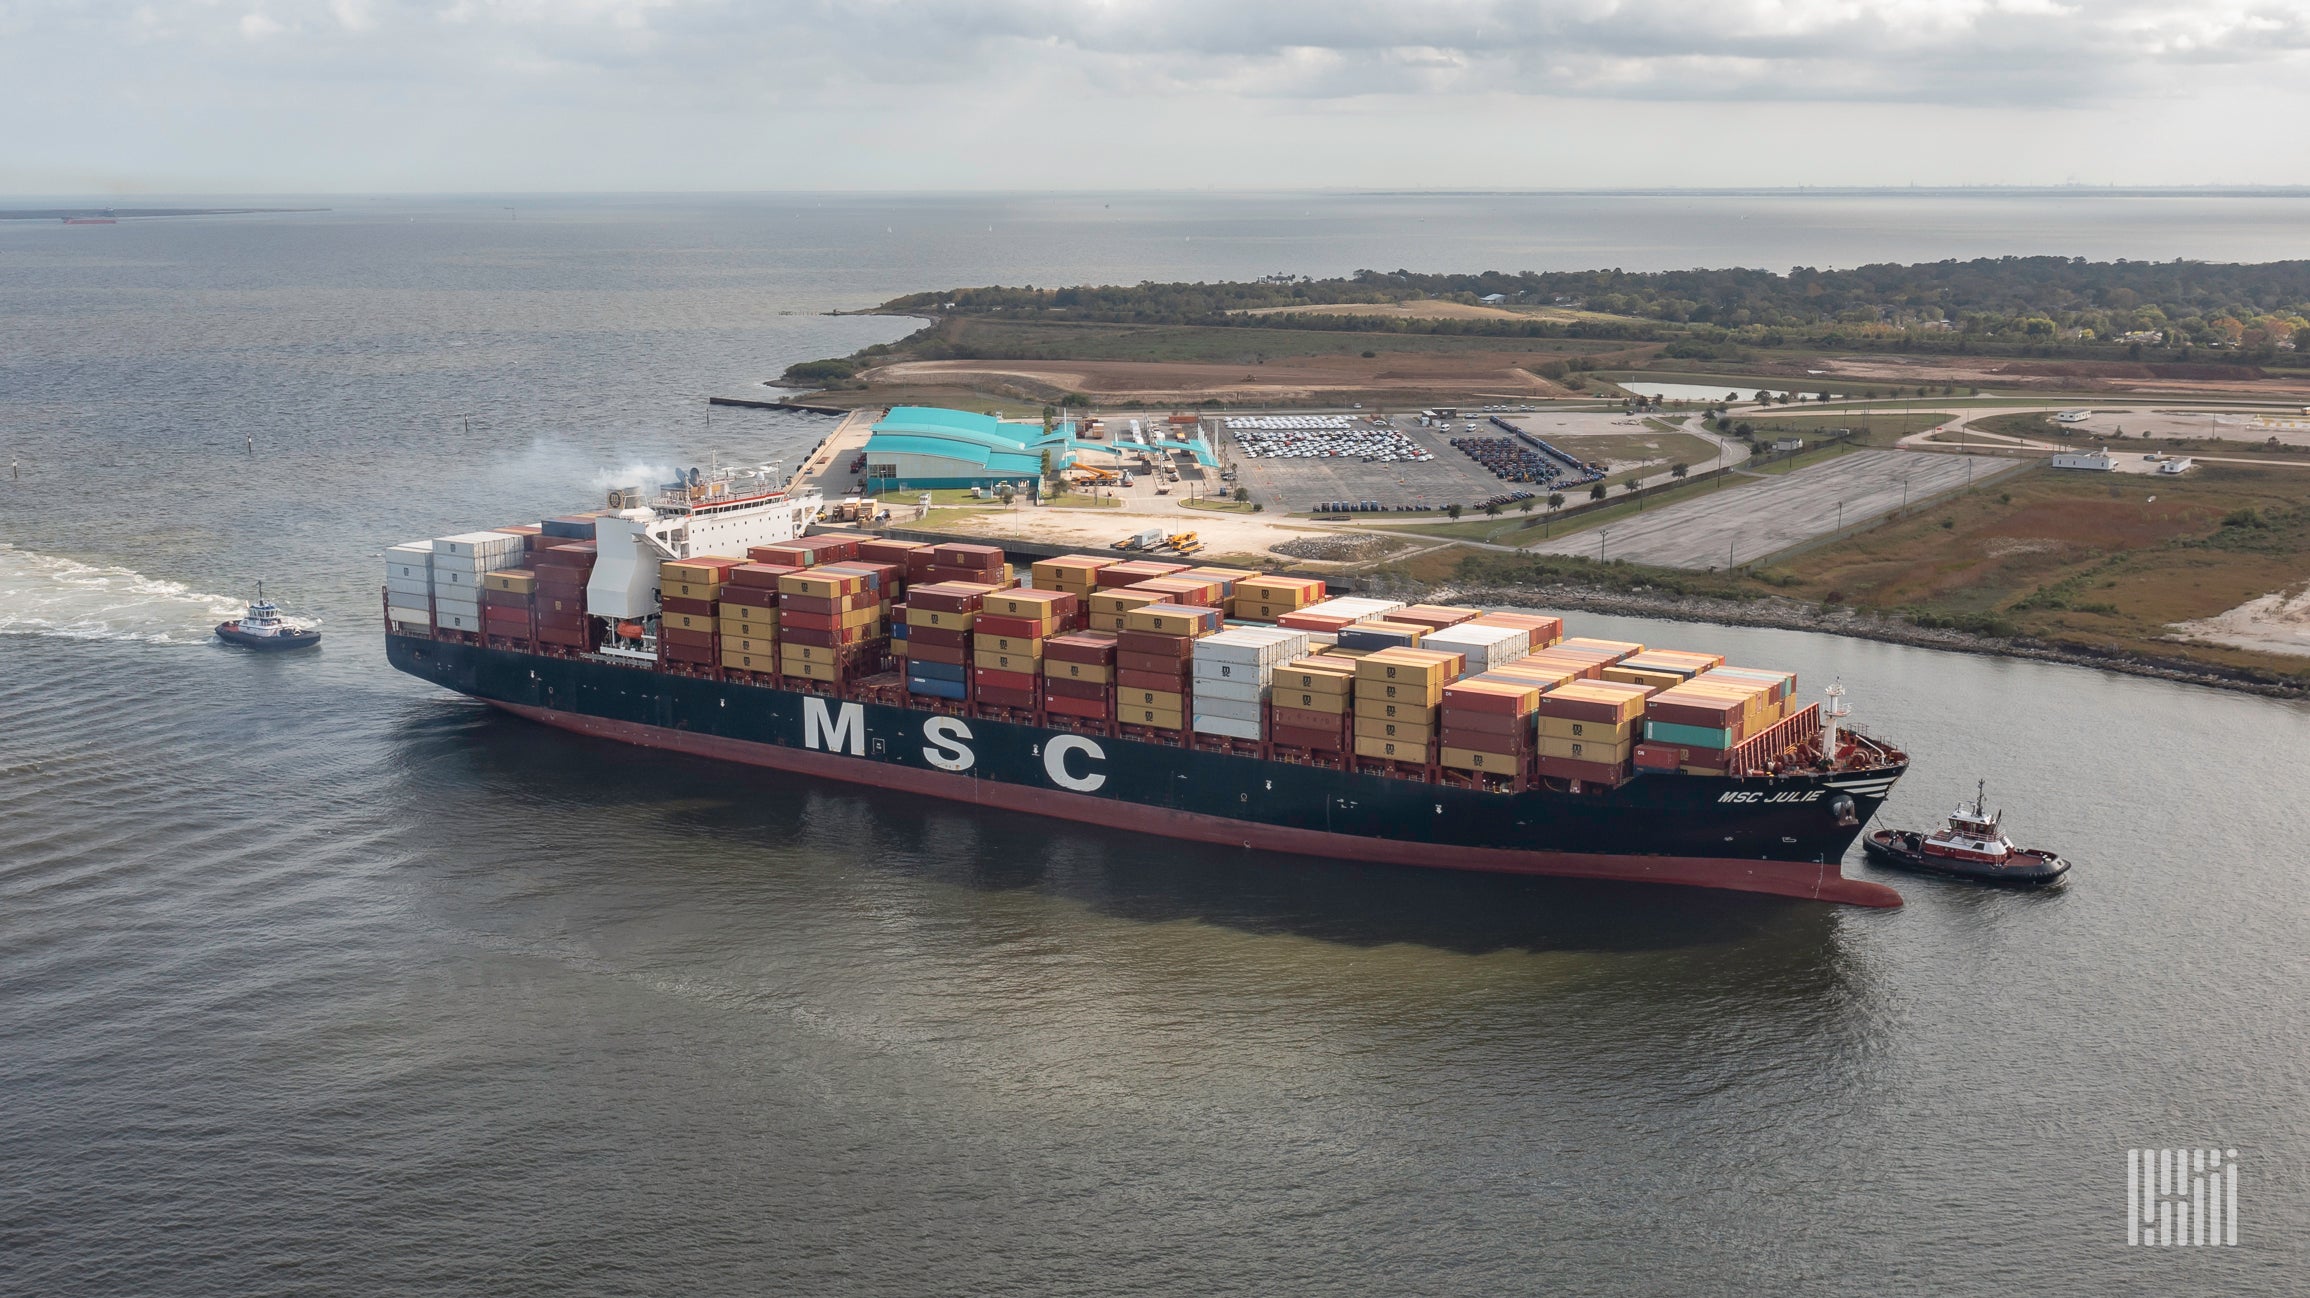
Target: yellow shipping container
{"x":1097,"y":673}
{"x":808,"y":670}
{"x":1167,"y":700}
{"x":741,"y":661}
{"x":1372,"y":692}
{"x":691,"y":621}
{"x":1107,"y":621}
{"x":1475,"y":759}
{"x":1632,"y":676}
{"x":1163,"y":619}
{"x":763,"y":627}
{"x":690,"y":572}
{"x":1317,"y":678}
{"x":1031,"y":647}
{"x":690,"y":590}
{"x":1334,"y":703}
{"x":1080,"y":570}
{"x":518,"y":581}
{"x":749,"y":644}
{"x":1587,"y":750}
{"x":806,"y":653}
{"x":939,"y":619}
{"x":867,"y":616}
{"x":1589,"y":731}
{"x":1393,"y":750}
{"x":1000,"y":662}
{"x":1422,"y":713}
{"x":1158,"y":718}
{"x":1382,"y":728}
{"x":820,"y":587}
{"x":1123,"y":601}
{"x":1402,"y":665}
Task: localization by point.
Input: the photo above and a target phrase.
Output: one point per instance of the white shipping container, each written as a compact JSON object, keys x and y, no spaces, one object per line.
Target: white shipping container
{"x":416,"y":586}
{"x":1486,"y":646}
{"x":412,"y":628}
{"x":1243,"y":689}
{"x":465,"y":607}
{"x":1231,"y":728}
{"x":1233,"y":709}
{"x":460,"y":621}
{"x":1354,"y":607}
{"x":404,"y":613}
{"x":478,"y":544}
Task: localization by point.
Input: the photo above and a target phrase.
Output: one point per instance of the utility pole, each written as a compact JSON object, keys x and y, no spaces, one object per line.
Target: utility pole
{"x":1601,"y":533}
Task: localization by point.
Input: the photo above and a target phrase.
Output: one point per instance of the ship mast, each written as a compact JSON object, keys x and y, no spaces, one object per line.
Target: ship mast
{"x":1832,"y":712}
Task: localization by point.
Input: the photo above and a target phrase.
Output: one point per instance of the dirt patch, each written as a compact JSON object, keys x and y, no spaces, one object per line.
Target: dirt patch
{"x":2113,"y":376}
{"x":2276,"y":623}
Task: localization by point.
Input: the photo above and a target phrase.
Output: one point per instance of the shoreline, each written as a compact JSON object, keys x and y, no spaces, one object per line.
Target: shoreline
{"x":1789,"y":615}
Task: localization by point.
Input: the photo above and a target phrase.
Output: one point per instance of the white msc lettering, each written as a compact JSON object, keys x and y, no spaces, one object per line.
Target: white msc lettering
{"x":945,"y":750}
{"x":844,"y":732}
{"x":1055,"y":763}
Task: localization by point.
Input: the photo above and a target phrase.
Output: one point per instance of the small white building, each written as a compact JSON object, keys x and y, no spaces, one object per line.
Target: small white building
{"x":2098,"y":460}
{"x":2073,"y":416}
{"x":1493,"y":299}
{"x":2176,"y":466}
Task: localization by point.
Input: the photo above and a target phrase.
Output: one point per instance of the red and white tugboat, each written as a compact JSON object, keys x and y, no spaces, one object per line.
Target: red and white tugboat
{"x":1970,"y":848}
{"x":263,"y":627}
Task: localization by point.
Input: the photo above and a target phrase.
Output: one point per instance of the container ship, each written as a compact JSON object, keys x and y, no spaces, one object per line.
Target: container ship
{"x":1202,"y":703}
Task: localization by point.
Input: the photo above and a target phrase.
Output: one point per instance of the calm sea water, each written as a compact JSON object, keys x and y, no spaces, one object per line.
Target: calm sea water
{"x":313,"y":980}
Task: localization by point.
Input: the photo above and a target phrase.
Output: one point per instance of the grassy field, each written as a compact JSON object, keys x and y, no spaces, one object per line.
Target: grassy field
{"x":2080,"y":559}
{"x":1218,"y":506}
{"x":1662,"y":446}
{"x":1870,"y":427}
{"x":1081,"y":500}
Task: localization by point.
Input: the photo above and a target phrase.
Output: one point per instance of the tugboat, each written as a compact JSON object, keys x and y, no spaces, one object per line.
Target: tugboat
{"x":1970,"y":848}
{"x":263,"y":627}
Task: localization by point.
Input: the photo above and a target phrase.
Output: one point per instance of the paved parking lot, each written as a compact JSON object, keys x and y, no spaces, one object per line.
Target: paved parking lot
{"x":1762,"y":517}
{"x":1300,"y":485}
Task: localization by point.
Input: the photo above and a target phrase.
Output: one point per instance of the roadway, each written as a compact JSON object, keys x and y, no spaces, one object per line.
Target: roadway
{"x":1746,"y":521}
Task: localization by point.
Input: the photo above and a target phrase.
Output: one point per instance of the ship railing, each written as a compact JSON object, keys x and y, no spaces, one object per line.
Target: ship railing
{"x":1759,"y":751}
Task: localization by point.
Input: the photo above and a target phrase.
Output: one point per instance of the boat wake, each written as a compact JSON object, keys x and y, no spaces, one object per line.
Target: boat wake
{"x":45,"y":595}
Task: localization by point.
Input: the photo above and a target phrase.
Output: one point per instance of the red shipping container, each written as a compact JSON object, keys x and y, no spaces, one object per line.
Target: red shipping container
{"x":569,"y":554}
{"x":1003,"y":698}
{"x":1168,"y":683}
{"x":574,"y":638}
{"x":963,"y":554}
{"x":793,"y":620}
{"x":1310,"y":719}
{"x":1133,"y":571}
{"x":1061,"y":687}
{"x":947,"y":597}
{"x":1019,"y":627}
{"x":932,"y":635}
{"x":695,"y":607}
{"x":571,"y":618}
{"x":1483,"y":741}
{"x":499,"y":622}
{"x":1493,"y":723}
{"x":504,"y":599}
{"x":823,"y":639}
{"x":1074,"y":707}
{"x":760,"y":576}
{"x":1158,"y":664}
{"x":1082,"y":647}
{"x":887,"y":550}
{"x":750,"y":596}
{"x":1665,"y":757}
{"x":1151,"y":642}
{"x":1329,"y":741}
{"x":1003,"y":680}
{"x":1565,"y":768}
{"x":697,"y":639}
{"x":951,"y":655}
{"x":683,"y":653}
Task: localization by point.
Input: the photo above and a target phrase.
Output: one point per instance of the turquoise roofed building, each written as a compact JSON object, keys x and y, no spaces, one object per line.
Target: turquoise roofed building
{"x":922,"y":448}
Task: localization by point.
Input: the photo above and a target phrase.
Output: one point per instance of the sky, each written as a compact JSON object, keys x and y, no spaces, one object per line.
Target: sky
{"x":383,"y":96}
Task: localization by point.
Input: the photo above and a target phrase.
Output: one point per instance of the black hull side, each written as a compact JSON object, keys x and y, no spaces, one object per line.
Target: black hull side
{"x":1762,"y":834}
